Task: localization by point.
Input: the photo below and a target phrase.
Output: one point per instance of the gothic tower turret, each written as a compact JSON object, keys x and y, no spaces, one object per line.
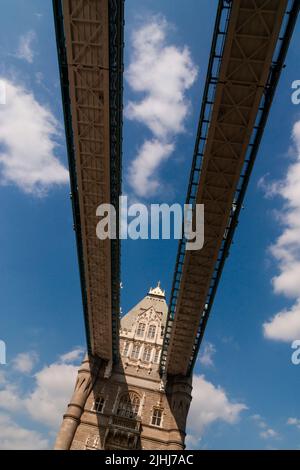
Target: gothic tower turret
{"x":128,"y":406}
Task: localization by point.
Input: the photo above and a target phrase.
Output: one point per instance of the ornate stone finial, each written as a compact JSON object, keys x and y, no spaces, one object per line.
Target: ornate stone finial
{"x":162,"y":385}
{"x":157,"y":291}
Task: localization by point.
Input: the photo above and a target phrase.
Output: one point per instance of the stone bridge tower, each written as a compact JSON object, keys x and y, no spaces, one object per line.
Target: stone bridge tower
{"x":128,"y":406}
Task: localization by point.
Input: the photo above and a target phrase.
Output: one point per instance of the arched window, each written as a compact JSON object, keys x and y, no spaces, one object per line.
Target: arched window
{"x":147,"y":354}
{"x":126,"y":348}
{"x":129,"y":405}
{"x":141,"y":329}
{"x":157,"y":355}
{"x":135,"y":351}
{"x":98,"y":405}
{"x":151,"y":331}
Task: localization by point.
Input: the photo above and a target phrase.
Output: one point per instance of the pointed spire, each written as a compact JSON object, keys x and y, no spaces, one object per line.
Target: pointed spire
{"x":157,"y":291}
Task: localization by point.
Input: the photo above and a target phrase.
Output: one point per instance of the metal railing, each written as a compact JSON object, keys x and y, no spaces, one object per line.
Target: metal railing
{"x":133,"y":424}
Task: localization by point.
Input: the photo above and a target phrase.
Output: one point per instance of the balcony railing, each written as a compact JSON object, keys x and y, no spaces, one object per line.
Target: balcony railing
{"x":126,"y":423}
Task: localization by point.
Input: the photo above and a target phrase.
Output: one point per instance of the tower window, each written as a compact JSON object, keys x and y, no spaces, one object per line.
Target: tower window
{"x":141,"y":329}
{"x":157,"y":355}
{"x":147,"y":354}
{"x":129,"y":405}
{"x":98,"y":405}
{"x":151,"y":331}
{"x":135,"y":351}
{"x":156,"y":417}
{"x":126,"y":348}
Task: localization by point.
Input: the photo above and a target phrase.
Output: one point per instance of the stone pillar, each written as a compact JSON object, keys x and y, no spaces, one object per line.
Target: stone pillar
{"x":85,"y":379}
{"x":179,"y":392}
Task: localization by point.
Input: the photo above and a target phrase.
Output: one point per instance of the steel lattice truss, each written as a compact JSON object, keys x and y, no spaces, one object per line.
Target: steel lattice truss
{"x":238,"y":92}
{"x":90,"y":45}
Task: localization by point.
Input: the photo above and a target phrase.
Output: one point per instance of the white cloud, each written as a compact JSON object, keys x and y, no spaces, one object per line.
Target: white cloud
{"x":294,"y":422}
{"x":206,"y":356}
{"x":25,"y":362}
{"x":192,"y":442}
{"x":169,"y":73}
{"x":25,"y":49}
{"x":27,"y":143}
{"x":285,"y":325}
{"x":15,"y":437}
{"x":269,"y":433}
{"x":9,"y":397}
{"x":2,"y":377}
{"x":266,"y":432}
{"x":258,"y":420}
{"x":148,"y":159}
{"x":162,"y":73}
{"x":73,"y":355}
{"x":209,"y":404}
{"x":53,"y":389}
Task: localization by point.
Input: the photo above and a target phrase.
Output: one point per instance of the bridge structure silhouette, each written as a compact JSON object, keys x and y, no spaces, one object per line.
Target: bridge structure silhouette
{"x":248,"y":51}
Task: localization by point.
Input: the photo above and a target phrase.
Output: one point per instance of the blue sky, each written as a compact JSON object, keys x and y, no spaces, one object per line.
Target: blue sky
{"x":245,"y":385}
